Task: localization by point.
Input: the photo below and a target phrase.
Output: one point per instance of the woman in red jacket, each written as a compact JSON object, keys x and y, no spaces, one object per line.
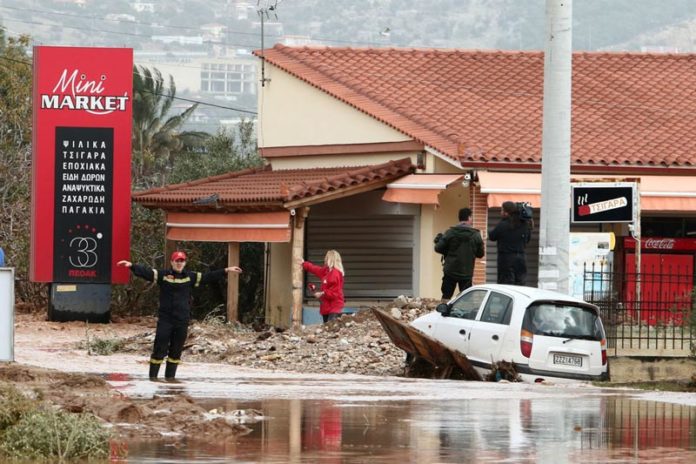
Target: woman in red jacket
{"x":330,"y":293}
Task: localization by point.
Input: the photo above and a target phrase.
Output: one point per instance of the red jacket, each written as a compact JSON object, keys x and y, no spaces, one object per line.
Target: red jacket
{"x":332,"y":286}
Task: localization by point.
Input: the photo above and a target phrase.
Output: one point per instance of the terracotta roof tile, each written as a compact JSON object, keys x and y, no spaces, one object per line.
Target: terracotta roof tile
{"x":267,"y":189}
{"x":629,"y":109}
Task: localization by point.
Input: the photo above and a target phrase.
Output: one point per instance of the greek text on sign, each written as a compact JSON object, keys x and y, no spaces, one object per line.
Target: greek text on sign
{"x":601,"y":206}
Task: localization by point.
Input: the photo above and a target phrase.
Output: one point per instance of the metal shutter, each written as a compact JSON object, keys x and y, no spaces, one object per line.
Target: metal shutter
{"x":377,"y":252}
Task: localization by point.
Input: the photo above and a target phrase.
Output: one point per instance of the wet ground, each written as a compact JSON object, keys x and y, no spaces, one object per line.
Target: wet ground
{"x":347,"y":418}
{"x":344,"y":419}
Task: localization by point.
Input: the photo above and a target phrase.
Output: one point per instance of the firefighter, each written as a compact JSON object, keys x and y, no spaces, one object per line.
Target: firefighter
{"x":174,"y":313}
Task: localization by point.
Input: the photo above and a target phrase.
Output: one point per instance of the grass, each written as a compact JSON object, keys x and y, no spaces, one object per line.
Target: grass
{"x":96,"y":346}
{"x":33,"y":431}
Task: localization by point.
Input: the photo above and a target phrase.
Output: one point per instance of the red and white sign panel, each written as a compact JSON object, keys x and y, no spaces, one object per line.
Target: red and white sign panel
{"x":661,"y":244}
{"x":81,"y":164}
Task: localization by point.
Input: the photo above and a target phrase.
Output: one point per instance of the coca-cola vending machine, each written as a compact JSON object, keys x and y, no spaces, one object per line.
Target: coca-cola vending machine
{"x":665,"y":280}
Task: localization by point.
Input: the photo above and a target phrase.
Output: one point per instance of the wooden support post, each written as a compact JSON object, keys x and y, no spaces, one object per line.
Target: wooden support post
{"x":169,"y":248}
{"x":232,"y":283}
{"x":297,"y":258}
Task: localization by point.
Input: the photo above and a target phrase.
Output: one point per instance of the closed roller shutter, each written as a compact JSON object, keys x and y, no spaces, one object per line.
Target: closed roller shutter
{"x":377,"y":252}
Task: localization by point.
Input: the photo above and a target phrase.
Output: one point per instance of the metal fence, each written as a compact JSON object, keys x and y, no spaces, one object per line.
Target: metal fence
{"x":650,"y":313}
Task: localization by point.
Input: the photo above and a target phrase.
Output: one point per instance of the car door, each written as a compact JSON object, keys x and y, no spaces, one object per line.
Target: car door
{"x":453,"y":329}
{"x":487,"y":333}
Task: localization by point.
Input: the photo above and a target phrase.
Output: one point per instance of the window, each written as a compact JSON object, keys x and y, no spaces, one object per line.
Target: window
{"x":498,"y":309}
{"x":468,"y":305}
{"x":563,"y":320}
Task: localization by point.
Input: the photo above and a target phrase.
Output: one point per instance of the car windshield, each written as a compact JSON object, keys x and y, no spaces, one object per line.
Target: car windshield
{"x":563,"y":320}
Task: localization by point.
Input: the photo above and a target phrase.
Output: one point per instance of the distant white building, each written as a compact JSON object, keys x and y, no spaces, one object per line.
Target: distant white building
{"x":213,"y":32}
{"x":226,"y":76}
{"x":243,"y":10}
{"x":179,"y":39}
{"x":120,"y":17}
{"x":143,"y":7}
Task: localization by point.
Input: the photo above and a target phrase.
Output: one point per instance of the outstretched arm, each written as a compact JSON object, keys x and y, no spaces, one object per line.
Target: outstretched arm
{"x":140,"y":271}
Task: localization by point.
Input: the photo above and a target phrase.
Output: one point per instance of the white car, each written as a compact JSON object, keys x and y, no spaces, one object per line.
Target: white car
{"x":546,"y":335}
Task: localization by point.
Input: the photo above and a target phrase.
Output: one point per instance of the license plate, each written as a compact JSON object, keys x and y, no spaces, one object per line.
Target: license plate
{"x":567,"y":360}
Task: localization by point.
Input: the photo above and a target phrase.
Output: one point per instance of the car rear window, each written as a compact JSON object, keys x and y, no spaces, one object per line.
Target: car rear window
{"x":562,"y":320}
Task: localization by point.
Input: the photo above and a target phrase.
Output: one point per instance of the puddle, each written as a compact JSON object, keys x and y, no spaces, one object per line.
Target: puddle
{"x":352,"y":419}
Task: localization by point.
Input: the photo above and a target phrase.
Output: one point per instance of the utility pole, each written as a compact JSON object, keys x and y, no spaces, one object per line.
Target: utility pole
{"x":265,"y":12}
{"x":554,"y":227}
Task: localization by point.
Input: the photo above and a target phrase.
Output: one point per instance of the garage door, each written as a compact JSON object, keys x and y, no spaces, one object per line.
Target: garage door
{"x":377,"y":251}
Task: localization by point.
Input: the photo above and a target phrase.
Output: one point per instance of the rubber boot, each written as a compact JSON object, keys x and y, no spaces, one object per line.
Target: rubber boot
{"x":154,"y":370}
{"x":170,"y":370}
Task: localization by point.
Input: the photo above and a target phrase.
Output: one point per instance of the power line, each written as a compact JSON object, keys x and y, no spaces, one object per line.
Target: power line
{"x":180,"y":27}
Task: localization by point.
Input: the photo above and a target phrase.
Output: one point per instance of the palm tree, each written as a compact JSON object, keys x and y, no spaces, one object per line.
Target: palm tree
{"x":156,"y":135}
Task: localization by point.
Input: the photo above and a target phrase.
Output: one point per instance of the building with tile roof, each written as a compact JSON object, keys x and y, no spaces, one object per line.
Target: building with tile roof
{"x":375,"y":150}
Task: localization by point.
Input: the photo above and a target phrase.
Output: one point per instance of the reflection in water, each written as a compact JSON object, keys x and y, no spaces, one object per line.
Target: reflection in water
{"x":553,"y":430}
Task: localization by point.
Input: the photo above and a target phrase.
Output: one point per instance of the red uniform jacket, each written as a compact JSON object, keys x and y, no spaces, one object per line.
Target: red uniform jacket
{"x":332,"y":286}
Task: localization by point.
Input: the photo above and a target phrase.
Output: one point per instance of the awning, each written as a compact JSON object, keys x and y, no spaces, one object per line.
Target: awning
{"x":657,"y":193}
{"x":419,"y":188}
{"x":236,"y":227}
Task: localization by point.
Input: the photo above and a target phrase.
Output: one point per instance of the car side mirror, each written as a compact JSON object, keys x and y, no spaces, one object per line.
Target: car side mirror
{"x":443,"y":308}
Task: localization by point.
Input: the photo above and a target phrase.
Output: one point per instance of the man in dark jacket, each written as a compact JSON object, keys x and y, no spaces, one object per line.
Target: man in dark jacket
{"x":460,"y":245}
{"x":512,"y":234}
{"x":174,"y":314}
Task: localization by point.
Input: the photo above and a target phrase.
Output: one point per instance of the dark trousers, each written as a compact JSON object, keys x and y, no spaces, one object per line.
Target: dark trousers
{"x":330,"y":317}
{"x":449,"y":283}
{"x":169,"y":339}
{"x":512,"y":269}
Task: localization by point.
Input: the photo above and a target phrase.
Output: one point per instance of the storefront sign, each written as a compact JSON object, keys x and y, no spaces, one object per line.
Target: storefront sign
{"x":662,"y":244}
{"x":603,"y":202}
{"x":81,"y":164}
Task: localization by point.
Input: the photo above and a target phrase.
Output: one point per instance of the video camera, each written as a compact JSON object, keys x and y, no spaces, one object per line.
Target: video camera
{"x":524,"y":208}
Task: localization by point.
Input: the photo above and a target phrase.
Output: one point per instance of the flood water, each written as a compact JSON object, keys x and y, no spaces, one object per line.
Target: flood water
{"x":351,"y":419}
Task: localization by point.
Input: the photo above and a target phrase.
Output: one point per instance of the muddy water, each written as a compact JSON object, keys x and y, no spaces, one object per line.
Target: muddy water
{"x":343,"y":419}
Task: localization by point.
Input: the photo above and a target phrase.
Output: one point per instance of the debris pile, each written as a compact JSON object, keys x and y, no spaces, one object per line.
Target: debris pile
{"x":351,"y":344}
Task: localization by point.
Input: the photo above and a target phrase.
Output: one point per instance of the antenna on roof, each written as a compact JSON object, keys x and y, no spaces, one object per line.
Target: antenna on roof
{"x":265,"y":11}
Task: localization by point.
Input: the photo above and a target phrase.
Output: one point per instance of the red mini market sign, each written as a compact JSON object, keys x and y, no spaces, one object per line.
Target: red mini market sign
{"x":80,"y":217}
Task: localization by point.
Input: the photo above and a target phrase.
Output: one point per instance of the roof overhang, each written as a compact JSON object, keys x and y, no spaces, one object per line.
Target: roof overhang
{"x":235,"y":227}
{"x":419,"y":188}
{"x":657,"y":193}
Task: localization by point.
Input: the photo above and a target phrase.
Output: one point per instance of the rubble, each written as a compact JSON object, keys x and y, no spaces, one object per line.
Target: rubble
{"x":352,"y":344}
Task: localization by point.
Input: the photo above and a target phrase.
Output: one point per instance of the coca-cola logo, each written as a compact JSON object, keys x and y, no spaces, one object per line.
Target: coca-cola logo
{"x":660,"y":243}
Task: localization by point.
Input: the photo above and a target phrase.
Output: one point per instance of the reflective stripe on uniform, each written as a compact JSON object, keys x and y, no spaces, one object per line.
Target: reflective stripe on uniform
{"x":171,"y":280}
{"x":155,"y":273}
{"x":174,"y":361}
{"x":156,"y":361}
{"x":199,"y":276}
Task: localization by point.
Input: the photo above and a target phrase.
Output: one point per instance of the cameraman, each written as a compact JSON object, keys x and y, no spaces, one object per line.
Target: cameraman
{"x":512,"y":234}
{"x":460,"y":245}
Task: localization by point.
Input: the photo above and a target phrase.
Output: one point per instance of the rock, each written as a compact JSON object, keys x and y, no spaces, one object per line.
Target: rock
{"x":395,"y":313}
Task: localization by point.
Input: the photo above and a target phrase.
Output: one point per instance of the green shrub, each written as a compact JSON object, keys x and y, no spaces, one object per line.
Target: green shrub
{"x":13,"y":405}
{"x":103,"y":346}
{"x":56,"y":436}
